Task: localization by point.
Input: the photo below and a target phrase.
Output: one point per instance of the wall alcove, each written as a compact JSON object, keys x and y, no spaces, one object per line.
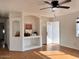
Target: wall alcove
{"x":31,"y":26}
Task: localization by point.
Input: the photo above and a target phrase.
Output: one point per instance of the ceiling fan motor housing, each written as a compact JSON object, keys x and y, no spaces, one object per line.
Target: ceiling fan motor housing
{"x":54,"y":3}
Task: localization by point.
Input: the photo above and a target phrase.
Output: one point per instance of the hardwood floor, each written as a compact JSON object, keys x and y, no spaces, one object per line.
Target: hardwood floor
{"x":34,"y":54}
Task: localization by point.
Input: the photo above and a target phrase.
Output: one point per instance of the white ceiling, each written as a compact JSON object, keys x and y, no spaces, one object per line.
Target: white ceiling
{"x":33,"y":6}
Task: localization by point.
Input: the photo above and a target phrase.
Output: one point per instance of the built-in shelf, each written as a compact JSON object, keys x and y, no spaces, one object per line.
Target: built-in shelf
{"x":31,"y":42}
{"x":19,"y":26}
{"x":32,"y":37}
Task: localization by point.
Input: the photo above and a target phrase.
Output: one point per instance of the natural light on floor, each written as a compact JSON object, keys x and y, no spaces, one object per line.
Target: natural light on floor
{"x":55,"y":55}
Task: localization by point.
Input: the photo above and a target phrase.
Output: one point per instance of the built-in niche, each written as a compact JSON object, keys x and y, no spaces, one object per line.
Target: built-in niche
{"x":31,"y":26}
{"x":16,"y":28}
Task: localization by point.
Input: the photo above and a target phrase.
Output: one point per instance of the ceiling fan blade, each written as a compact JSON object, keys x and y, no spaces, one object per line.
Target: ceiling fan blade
{"x":66,"y":1}
{"x":47,"y":2}
{"x":65,"y":7}
{"x":45,"y":8}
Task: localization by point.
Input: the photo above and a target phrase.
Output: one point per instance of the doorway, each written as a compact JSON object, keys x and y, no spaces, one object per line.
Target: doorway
{"x":53,"y":33}
{"x":3,"y":31}
{"x":2,"y":35}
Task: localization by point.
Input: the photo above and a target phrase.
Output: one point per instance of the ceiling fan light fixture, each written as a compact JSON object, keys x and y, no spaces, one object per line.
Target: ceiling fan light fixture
{"x":54,"y":9}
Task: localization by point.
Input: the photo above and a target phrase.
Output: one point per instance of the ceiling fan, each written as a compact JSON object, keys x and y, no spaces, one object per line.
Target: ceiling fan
{"x":56,"y":4}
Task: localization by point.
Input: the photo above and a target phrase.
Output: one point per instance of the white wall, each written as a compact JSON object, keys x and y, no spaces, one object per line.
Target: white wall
{"x":7,"y":32}
{"x":68,"y":30}
{"x":15,"y":43}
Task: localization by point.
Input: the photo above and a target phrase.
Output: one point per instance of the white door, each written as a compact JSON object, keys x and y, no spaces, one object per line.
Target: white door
{"x":53,"y":32}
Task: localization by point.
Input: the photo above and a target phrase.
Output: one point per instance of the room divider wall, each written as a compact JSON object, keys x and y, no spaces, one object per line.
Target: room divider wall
{"x":24,"y":32}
